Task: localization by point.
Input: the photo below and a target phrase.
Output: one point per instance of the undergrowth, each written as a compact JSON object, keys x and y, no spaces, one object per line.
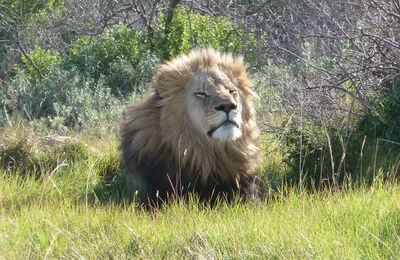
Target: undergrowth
{"x":70,"y":198}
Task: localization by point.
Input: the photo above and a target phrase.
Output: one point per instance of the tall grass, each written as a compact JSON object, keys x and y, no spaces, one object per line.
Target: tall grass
{"x":80,"y":206}
{"x":362,"y":223}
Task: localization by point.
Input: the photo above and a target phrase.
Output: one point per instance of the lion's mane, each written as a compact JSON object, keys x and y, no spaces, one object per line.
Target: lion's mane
{"x":166,"y":155}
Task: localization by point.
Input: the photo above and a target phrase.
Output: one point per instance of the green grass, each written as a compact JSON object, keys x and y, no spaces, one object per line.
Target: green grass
{"x":78,"y":205}
{"x":362,"y":223}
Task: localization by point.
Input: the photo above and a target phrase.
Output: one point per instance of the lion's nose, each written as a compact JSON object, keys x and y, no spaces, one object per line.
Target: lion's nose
{"x":226,"y":107}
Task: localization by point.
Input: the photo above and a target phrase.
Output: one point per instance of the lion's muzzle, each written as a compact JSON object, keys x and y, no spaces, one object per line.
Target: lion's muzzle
{"x":227,"y":128}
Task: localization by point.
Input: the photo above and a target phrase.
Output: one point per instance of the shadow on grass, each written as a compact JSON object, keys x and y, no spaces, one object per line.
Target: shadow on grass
{"x":121,"y":190}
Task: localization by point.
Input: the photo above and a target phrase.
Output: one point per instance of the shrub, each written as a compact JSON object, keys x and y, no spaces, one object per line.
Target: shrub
{"x":89,"y":102}
{"x":15,"y":148}
{"x":381,"y":129}
{"x":360,"y":153}
{"x":189,"y":30}
{"x":43,"y":61}
{"x":22,"y":152}
{"x":384,"y":120}
{"x":123,"y":77}
{"x":94,"y":55}
{"x":36,"y":98}
{"x":306,"y":152}
{"x":61,"y":97}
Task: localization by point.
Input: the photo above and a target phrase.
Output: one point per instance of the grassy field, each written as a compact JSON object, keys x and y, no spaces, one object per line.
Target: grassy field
{"x":359,"y":224}
{"x":72,"y":201}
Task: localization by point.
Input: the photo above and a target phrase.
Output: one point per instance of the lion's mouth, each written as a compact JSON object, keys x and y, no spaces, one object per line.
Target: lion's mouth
{"x":226,"y":122}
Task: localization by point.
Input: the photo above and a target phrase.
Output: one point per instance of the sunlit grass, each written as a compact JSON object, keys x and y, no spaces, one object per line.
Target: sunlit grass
{"x":80,"y":206}
{"x":360,"y":223}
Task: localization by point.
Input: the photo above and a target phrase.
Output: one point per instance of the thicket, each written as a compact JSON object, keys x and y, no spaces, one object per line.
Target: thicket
{"x":95,"y":76}
{"x":327,"y":73}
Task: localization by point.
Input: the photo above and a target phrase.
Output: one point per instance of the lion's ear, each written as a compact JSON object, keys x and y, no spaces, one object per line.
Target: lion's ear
{"x":244,"y":82}
{"x":171,"y":78}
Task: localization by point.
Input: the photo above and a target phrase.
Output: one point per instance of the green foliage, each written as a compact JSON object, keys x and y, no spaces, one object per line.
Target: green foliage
{"x":15,"y":149}
{"x":273,"y":167}
{"x":308,"y":154}
{"x":94,"y":55}
{"x":26,"y":8}
{"x":384,"y":121}
{"x":270,"y":94}
{"x":91,"y":81}
{"x":55,"y":217}
{"x":89,"y":102}
{"x":360,"y":154}
{"x":119,"y":56}
{"x":123,"y":77}
{"x":113,"y":182}
{"x":189,"y":30}
{"x":108,"y":165}
{"x":323,"y":151}
{"x":43,"y":61}
{"x":22,"y":154}
{"x":73,"y":151}
{"x":62,"y":97}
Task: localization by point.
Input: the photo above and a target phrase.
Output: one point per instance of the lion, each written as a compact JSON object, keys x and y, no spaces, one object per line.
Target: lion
{"x":196,"y":133}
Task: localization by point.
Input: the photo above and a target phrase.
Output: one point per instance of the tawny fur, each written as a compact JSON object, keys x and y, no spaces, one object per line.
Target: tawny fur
{"x":165,"y":152}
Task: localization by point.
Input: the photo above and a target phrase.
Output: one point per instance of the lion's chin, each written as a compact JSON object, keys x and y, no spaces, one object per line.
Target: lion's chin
{"x":226,"y":132}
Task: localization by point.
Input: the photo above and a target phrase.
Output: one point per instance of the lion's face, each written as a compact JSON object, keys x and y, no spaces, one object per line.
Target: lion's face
{"x":200,"y":119}
{"x":214,"y":106}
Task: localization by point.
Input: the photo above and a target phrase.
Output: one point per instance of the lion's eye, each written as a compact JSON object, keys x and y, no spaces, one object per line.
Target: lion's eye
{"x":233,"y":91}
{"x":201,"y":95}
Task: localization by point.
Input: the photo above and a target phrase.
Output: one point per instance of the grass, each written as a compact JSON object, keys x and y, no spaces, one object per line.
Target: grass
{"x":78,"y":205}
{"x":363,"y":223}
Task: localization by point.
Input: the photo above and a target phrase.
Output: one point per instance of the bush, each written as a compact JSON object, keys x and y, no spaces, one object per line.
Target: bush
{"x":384,"y":120}
{"x":16,"y":147}
{"x":306,"y":151}
{"x":43,"y":61}
{"x":123,"y":77}
{"x":189,"y":30}
{"x":22,"y":152}
{"x":62,"y":97}
{"x":37,"y":98}
{"x":119,"y":56}
{"x":89,"y":102}
{"x":94,"y":55}
{"x":92,"y":80}
{"x":360,"y":153}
